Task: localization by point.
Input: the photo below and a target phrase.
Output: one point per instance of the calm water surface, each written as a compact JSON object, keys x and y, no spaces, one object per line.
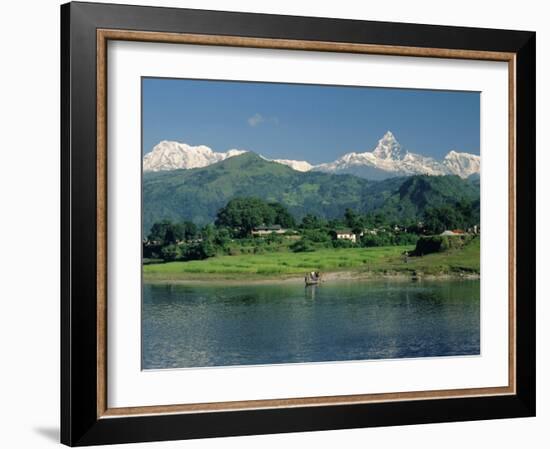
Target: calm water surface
{"x":193,"y":326}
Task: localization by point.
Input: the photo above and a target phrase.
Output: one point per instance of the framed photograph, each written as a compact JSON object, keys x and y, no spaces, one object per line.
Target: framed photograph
{"x":282,"y":224}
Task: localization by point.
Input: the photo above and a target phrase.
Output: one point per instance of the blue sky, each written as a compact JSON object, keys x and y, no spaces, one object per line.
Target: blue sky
{"x":306,"y":122}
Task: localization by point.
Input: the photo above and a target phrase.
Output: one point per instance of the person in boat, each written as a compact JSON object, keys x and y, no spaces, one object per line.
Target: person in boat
{"x":313,"y":276}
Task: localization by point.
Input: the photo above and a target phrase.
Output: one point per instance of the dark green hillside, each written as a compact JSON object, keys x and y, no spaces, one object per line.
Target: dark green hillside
{"x":197,"y":195}
{"x":475,"y":179}
{"x":417,"y":193}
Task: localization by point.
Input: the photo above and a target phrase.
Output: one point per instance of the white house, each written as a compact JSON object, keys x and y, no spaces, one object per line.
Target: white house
{"x":345,"y":234}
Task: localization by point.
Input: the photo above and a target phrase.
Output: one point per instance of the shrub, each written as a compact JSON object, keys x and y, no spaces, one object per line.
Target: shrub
{"x":316,"y":235}
{"x":232,"y":251}
{"x":170,"y":253}
{"x":428,"y":245}
{"x":199,"y":251}
{"x":303,"y":246}
{"x":405,"y":238}
{"x":342,"y":243}
{"x":440,"y":243}
{"x":370,"y":240}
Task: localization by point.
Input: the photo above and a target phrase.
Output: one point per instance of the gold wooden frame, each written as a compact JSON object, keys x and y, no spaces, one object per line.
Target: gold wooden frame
{"x":104,"y":35}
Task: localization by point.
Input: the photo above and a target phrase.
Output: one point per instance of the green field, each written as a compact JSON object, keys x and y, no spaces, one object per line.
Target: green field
{"x":379,"y":260}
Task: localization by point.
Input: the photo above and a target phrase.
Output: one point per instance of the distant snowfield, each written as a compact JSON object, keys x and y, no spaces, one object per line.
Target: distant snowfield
{"x":169,"y":155}
{"x":387,"y":159}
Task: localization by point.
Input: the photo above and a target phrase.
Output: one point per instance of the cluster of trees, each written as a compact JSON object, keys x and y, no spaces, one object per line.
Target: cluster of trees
{"x":440,"y":243}
{"x":242,"y":215}
{"x":359,"y":222}
{"x":317,"y":232}
{"x":235,"y":221}
{"x":171,"y":241}
{"x":462,"y":215}
{"x":167,"y":232}
{"x":184,"y":241}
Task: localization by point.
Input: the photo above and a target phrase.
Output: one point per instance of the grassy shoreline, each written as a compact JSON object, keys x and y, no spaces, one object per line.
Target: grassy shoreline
{"x":335,"y":264}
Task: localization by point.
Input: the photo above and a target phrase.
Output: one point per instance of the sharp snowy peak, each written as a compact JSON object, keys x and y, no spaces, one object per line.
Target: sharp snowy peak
{"x":169,"y":155}
{"x":387,"y":159}
{"x":390,"y":159}
{"x":389,"y":148}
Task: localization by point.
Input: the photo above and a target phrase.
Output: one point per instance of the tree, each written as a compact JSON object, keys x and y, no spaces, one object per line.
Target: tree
{"x":466,"y":210}
{"x":170,"y":253}
{"x":174,"y":233}
{"x":342,"y":243}
{"x":222,"y":237}
{"x":158,"y":231}
{"x":460,"y":215}
{"x":380,"y":219}
{"x":368,"y":220}
{"x":352,"y":219}
{"x":382,"y":239}
{"x":208,"y":232}
{"x":165,"y":232}
{"x":311,"y":221}
{"x":335,"y":223}
{"x":190,"y":230}
{"x":438,"y":219}
{"x":303,"y":246}
{"x":317,"y":235}
{"x":206,"y":249}
{"x":244,"y":214}
{"x":282,"y":216}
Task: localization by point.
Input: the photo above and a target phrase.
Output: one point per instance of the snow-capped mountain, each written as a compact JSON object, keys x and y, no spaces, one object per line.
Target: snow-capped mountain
{"x":388,"y":159}
{"x":295,"y":165}
{"x":170,"y":155}
{"x":302,"y":166}
{"x":389,"y":148}
{"x":462,"y":164}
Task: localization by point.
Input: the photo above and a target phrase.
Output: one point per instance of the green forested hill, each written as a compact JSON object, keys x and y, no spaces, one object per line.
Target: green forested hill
{"x":198,"y":194}
{"x":416,"y":193}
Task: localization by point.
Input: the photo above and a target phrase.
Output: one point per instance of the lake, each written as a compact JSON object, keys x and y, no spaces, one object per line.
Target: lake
{"x":222,"y":325}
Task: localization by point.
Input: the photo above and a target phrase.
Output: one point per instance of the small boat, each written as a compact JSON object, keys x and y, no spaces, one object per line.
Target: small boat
{"x":311,"y":282}
{"x":312,"y":279}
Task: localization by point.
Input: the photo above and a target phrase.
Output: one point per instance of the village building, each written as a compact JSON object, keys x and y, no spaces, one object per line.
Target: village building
{"x":453,"y":232}
{"x":261,"y":231}
{"x":345,"y":234}
{"x":474,"y":230}
{"x":147,"y":242}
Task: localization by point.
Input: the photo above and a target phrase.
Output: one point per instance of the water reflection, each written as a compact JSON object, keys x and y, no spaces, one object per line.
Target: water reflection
{"x":186,"y":326}
{"x":310,"y":291}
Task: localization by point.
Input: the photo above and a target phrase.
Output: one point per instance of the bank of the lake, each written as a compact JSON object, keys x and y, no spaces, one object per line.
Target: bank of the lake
{"x":343,"y":263}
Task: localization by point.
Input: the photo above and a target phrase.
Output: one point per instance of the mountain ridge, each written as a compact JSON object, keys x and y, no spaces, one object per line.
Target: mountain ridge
{"x":197,"y":194}
{"x":388,"y":159}
{"x":171,"y":155}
